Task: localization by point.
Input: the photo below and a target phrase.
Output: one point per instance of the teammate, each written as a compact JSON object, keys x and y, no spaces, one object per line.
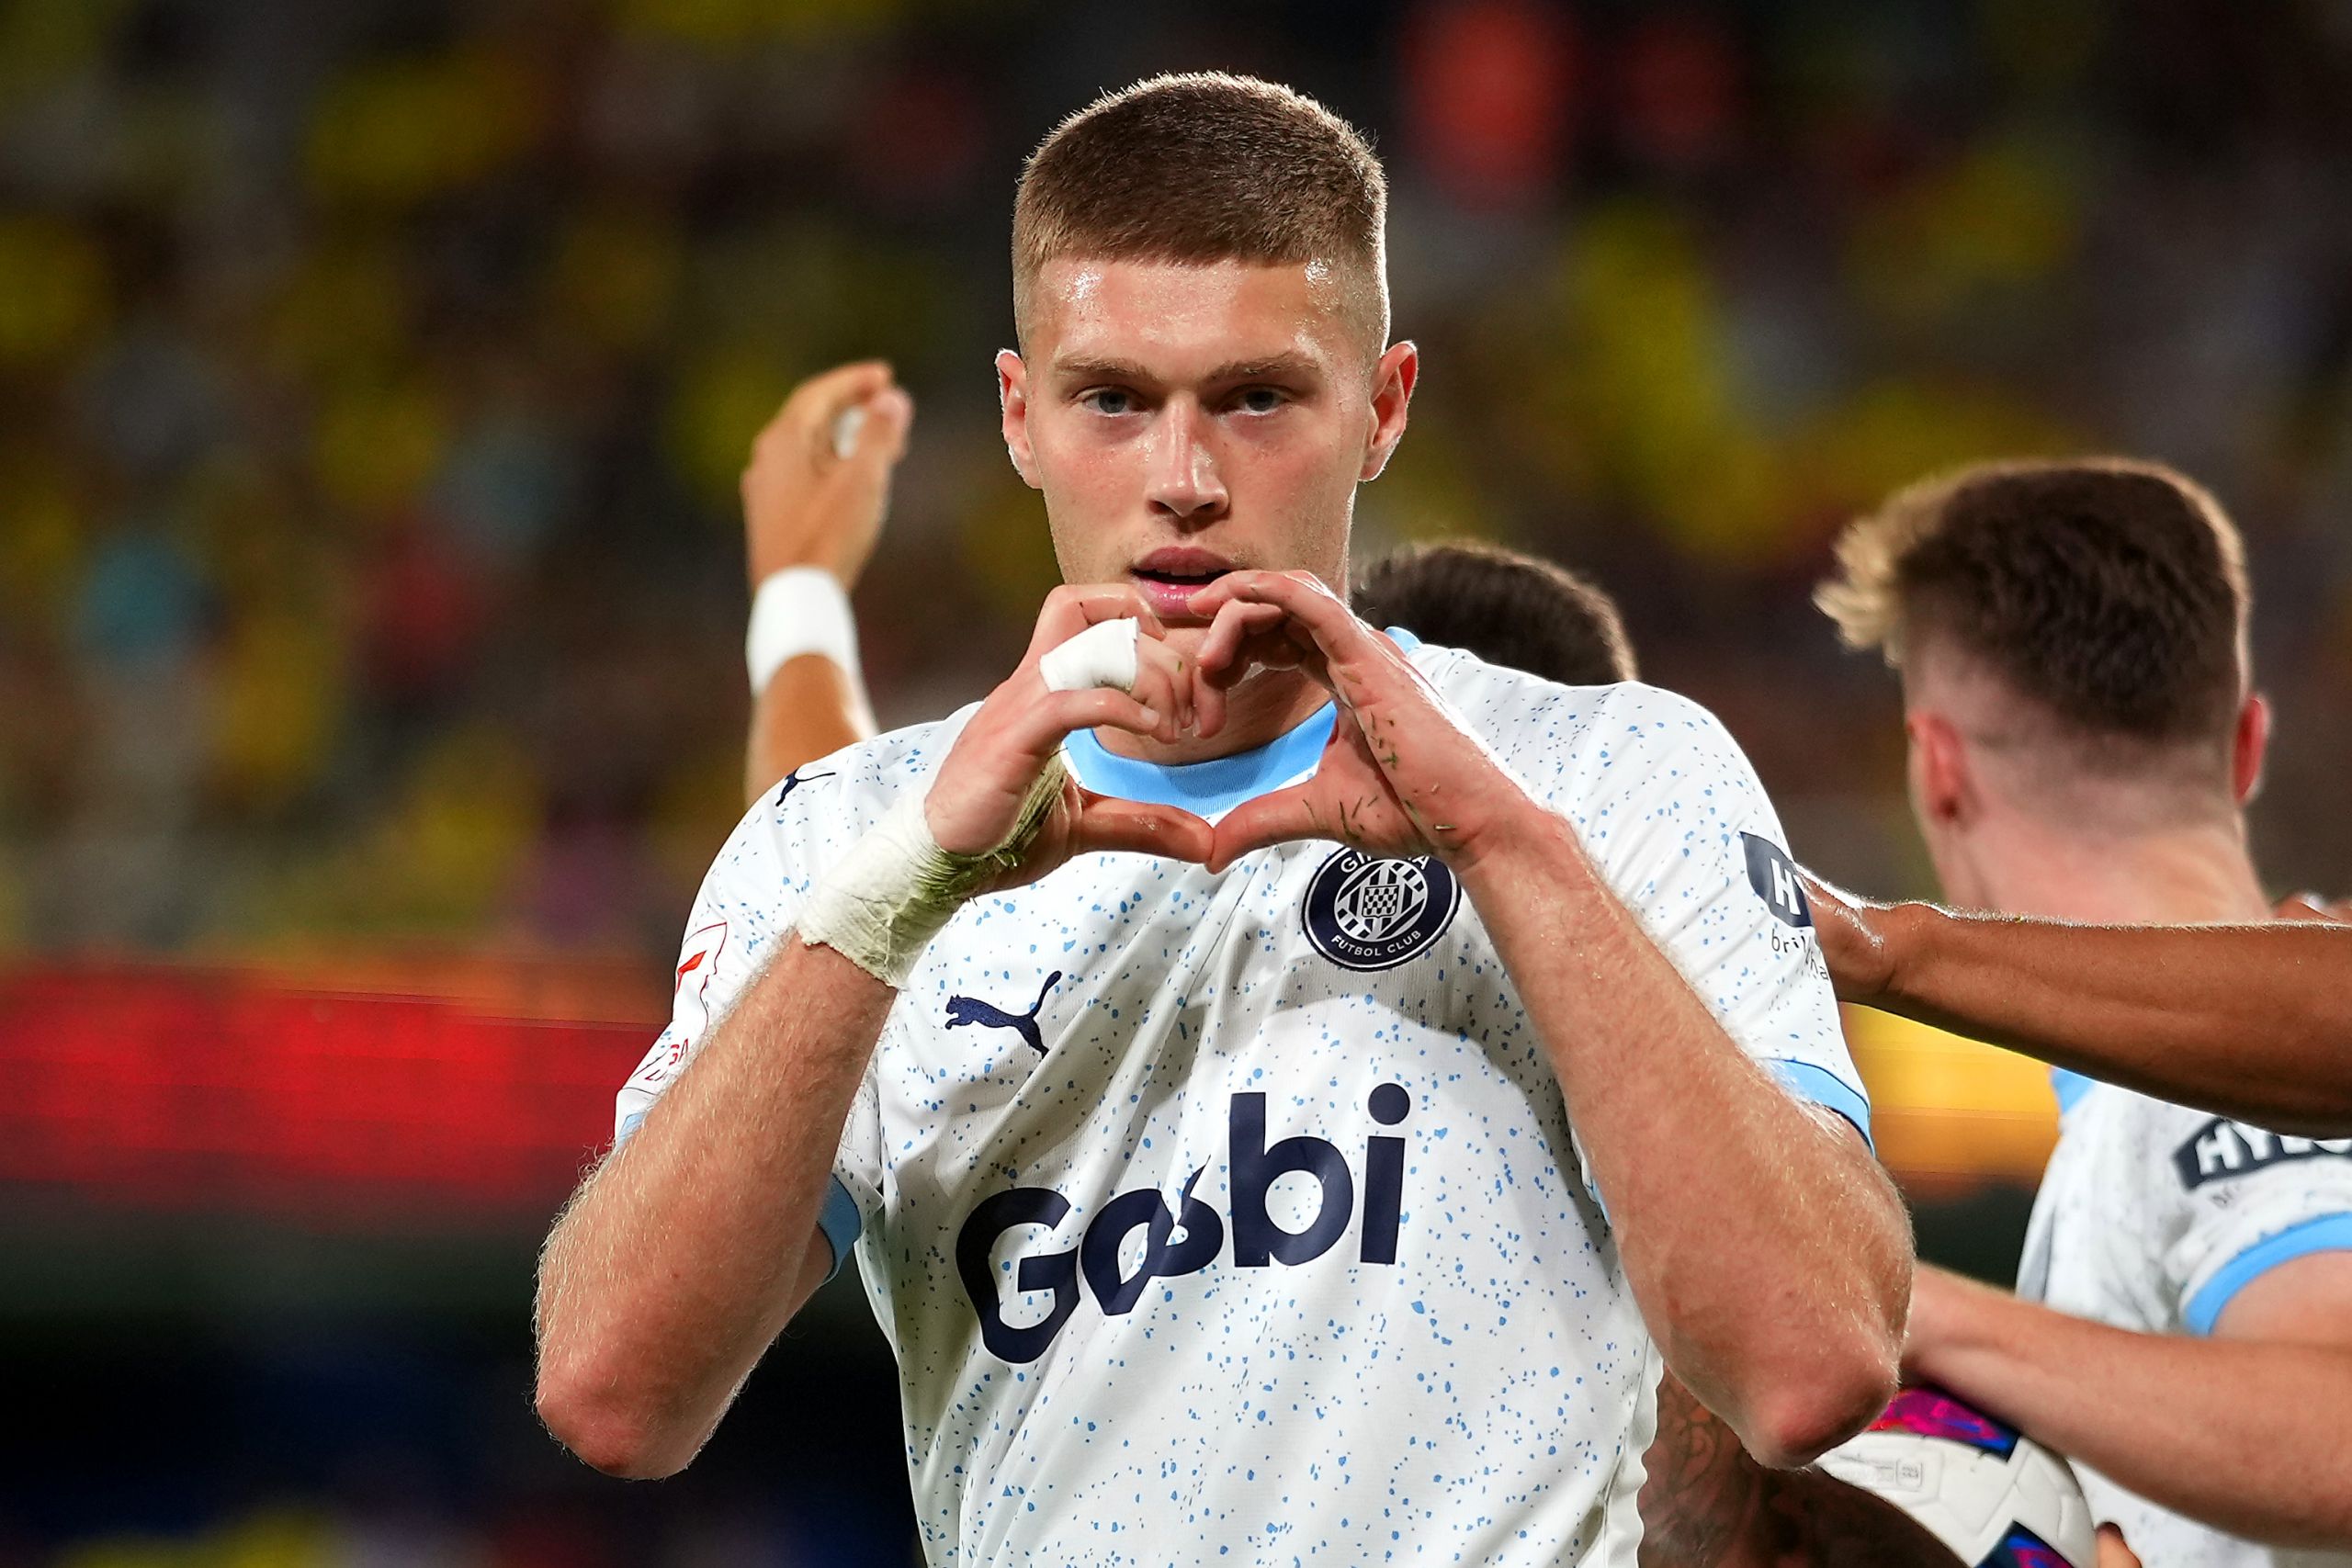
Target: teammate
{"x":2071,"y":639}
{"x":1148,"y":1300}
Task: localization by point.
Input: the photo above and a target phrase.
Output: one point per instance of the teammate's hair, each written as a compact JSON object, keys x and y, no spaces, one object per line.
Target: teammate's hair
{"x":2112,"y":593}
{"x":1200,"y":168}
{"x":1507,"y":608}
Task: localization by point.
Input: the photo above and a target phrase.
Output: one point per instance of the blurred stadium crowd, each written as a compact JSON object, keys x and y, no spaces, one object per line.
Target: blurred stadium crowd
{"x":374,"y":376}
{"x":377,"y":374}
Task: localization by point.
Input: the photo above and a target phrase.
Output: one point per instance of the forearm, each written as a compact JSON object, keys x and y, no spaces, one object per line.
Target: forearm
{"x":811,"y":707}
{"x":2246,"y":1437}
{"x":1771,"y":1258}
{"x":682,"y":1257}
{"x":2254,"y":1021}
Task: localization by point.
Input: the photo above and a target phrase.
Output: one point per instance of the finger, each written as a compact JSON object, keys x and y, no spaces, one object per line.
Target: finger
{"x":882,"y":439}
{"x":822,"y":397}
{"x":1234,"y":623}
{"x":1172,"y":672}
{"x":1140,"y":827}
{"x":2301,"y":907}
{"x":1040,"y":729}
{"x":1277,"y":818}
{"x":1301,"y":594}
{"x":1070,"y":610}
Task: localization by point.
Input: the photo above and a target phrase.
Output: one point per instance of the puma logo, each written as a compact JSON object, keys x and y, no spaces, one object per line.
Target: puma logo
{"x":793,"y":780}
{"x":961,"y":1010}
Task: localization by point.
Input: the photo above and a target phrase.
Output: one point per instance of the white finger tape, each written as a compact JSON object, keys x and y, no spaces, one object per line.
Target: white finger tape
{"x":1102,"y":655}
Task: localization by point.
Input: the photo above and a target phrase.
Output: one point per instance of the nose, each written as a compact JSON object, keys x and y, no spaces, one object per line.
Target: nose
{"x":1185,"y":485}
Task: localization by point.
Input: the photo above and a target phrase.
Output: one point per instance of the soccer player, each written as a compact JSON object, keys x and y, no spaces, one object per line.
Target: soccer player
{"x":1330,"y":1178}
{"x":2072,"y":640}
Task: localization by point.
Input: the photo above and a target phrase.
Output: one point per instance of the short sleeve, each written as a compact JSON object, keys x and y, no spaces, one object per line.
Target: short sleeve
{"x":2250,"y":1200}
{"x":749,"y":901}
{"x":1672,"y":815}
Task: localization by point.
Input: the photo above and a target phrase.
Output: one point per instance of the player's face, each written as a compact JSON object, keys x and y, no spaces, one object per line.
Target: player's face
{"x":1186,"y":421}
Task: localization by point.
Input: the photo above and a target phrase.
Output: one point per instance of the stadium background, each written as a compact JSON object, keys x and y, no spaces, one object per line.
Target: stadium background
{"x":374,"y":376}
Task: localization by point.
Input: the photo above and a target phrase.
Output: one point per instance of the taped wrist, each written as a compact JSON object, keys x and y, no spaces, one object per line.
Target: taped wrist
{"x":894,"y":890}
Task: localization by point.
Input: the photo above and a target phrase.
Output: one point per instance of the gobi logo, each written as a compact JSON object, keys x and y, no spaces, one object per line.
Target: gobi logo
{"x":1363,"y":913}
{"x":1774,"y":877}
{"x":1189,"y":1239}
{"x":2221,"y":1149}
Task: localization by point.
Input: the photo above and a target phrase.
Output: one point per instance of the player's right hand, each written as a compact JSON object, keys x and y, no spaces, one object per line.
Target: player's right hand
{"x":805,"y":503}
{"x":977,"y":795}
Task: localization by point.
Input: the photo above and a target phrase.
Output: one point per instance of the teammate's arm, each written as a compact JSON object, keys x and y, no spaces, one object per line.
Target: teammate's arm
{"x":2243,"y":1431}
{"x":690,"y":1248}
{"x":806,"y":503}
{"x":1764,"y":1247}
{"x":2253,"y":1021}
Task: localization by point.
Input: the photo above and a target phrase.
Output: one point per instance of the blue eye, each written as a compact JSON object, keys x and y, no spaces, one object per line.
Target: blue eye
{"x":1260,"y":400}
{"x":1108,"y":401}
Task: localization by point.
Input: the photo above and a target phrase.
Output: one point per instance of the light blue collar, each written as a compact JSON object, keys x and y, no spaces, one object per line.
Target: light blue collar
{"x":1220,"y":784}
{"x":2071,"y":1088}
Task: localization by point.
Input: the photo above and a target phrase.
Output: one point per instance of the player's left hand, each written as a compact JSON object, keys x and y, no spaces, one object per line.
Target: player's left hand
{"x":1400,"y":775}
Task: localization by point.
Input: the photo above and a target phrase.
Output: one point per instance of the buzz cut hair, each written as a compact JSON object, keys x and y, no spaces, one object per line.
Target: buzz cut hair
{"x":1206,"y":167}
{"x":2109,"y":592}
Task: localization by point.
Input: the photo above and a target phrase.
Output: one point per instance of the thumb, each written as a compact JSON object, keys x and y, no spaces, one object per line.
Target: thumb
{"x":1278,"y":818}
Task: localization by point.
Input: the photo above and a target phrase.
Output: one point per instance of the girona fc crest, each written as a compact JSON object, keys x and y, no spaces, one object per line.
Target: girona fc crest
{"x":1364,"y":913}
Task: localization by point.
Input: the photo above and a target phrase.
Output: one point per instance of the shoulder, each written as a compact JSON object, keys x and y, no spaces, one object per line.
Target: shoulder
{"x":1581,"y":739}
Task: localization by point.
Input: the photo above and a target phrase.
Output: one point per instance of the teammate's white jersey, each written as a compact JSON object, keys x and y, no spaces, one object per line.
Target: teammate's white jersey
{"x":1237,"y":1218}
{"x":2151,"y":1217}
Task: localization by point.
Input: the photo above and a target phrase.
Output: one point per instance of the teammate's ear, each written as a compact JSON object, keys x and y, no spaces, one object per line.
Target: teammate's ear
{"x":1013,"y":403}
{"x":1940,"y":787}
{"x":1392,"y":391}
{"x":2249,"y":743}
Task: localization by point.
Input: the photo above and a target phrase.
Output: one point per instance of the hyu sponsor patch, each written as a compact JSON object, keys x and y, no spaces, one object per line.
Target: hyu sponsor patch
{"x":2221,"y":1149}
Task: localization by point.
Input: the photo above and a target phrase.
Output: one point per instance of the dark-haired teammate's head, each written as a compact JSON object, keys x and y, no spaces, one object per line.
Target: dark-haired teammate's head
{"x":2071,"y":638}
{"x":1201,"y":295}
{"x":1510,"y":609}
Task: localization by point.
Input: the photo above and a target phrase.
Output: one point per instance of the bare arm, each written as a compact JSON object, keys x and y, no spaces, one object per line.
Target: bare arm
{"x":696,"y":1241}
{"x":682,"y":1257}
{"x":1770,"y":1258}
{"x":2253,"y":1021}
{"x":2243,"y":1431}
{"x":805,"y":503}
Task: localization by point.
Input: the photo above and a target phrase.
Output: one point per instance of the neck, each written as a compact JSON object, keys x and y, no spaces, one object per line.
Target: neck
{"x":2181,"y":874}
{"x":1257,"y":712}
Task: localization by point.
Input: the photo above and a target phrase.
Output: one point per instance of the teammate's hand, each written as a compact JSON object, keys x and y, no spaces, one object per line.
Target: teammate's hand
{"x":977,"y":795}
{"x":1399,"y":777}
{"x":1854,"y":940}
{"x":805,"y":504}
{"x":2112,"y":1551}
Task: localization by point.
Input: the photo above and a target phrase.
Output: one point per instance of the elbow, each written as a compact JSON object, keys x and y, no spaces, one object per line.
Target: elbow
{"x":1797,"y":1419}
{"x":597,"y":1423}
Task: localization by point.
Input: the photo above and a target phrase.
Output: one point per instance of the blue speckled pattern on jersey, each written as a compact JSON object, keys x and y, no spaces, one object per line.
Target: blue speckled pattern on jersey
{"x":1247,"y":1301}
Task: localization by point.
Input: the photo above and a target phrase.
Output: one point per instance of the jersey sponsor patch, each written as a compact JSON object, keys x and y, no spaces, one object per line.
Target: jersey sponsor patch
{"x":1774,"y":877}
{"x":1367,"y":913}
{"x":2221,"y":1149}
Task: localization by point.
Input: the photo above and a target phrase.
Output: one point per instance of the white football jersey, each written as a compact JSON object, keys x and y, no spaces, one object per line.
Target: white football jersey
{"x":1238,"y":1217}
{"x":2151,"y":1217}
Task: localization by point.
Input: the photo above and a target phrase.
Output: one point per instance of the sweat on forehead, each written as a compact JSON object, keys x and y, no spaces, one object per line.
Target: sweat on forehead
{"x":1138,"y":300}
{"x":1203,"y":168}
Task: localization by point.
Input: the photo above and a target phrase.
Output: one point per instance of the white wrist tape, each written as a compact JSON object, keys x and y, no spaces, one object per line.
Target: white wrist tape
{"x":1102,"y":655}
{"x":801,"y":610}
{"x":895,"y":887}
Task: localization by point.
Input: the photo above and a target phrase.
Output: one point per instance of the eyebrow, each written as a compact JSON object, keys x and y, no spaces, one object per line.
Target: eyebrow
{"x":1090,"y":369}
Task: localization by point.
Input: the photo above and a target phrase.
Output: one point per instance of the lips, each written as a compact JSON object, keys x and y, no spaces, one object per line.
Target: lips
{"x":1170,"y":577}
